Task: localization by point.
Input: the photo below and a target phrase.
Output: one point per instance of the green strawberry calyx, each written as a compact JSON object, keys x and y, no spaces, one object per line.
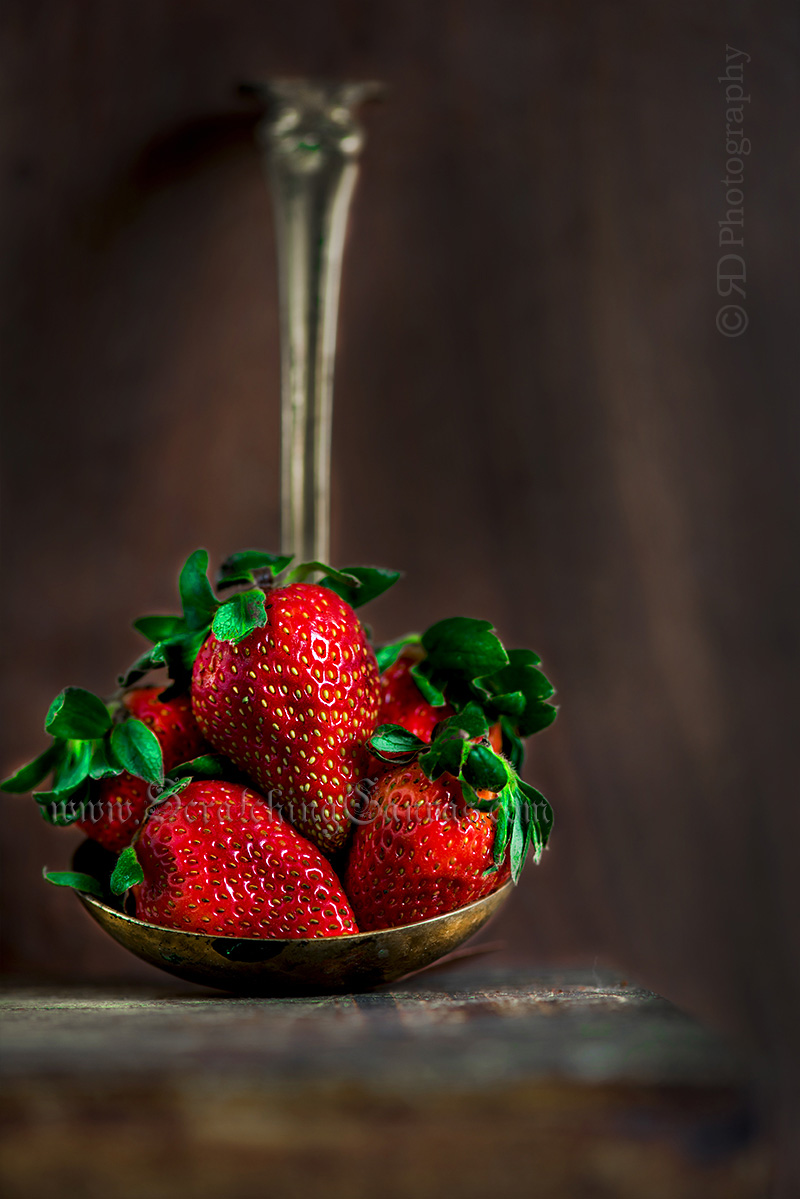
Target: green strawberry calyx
{"x":75,"y":880}
{"x":464,"y":662}
{"x":207,"y":766}
{"x":89,"y":740}
{"x":127,"y":872}
{"x":177,"y":639}
{"x":461,"y":748}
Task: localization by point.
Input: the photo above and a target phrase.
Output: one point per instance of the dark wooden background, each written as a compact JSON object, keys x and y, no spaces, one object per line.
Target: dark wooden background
{"x":535,"y":417}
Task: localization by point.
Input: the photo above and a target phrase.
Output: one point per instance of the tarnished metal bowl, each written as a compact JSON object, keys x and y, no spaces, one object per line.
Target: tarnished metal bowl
{"x":251,"y":965}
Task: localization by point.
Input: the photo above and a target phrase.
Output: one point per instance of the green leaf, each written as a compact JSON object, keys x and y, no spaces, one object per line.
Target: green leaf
{"x":530,"y":680}
{"x":103,"y":764}
{"x":63,"y":806}
{"x":77,"y":713}
{"x":512,"y":704}
{"x":522,"y":814}
{"x":371,"y":581}
{"x":239,"y":616}
{"x":59,"y":795}
{"x":484,"y":770}
{"x":127,"y":872}
{"x":74,"y":765}
{"x":470,"y":720}
{"x":449,"y":748}
{"x":513,"y":748}
{"x":523,"y":657}
{"x":30,"y":775}
{"x":172,"y":787}
{"x":536,"y":718}
{"x":461,"y":644}
{"x":160,"y":628}
{"x":139,"y":750}
{"x":433,"y":694}
{"x":466,"y":662}
{"x":445,"y":756}
{"x":247,"y":565}
{"x":394,"y":739}
{"x":71,"y":878}
{"x":199,"y":601}
{"x":206,"y":766}
{"x":540,"y":814}
{"x":387,"y":655}
{"x":301,"y":572}
{"x":518,"y":844}
{"x":500,"y":836}
{"x":177,"y":654}
{"x":521,"y":677}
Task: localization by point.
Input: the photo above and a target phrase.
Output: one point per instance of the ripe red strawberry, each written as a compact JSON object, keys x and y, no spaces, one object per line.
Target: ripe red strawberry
{"x":403,"y":703}
{"x":442,"y":829}
{"x":461,"y":661}
{"x":217,"y":858}
{"x":293,"y":704}
{"x":424,"y":854}
{"x":118,"y":804}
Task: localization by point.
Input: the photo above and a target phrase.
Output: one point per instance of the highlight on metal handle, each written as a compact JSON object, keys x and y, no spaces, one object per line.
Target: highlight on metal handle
{"x":311,"y":141}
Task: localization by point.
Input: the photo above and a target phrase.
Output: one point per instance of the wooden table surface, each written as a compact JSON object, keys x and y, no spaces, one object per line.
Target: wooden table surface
{"x":459,"y":1082}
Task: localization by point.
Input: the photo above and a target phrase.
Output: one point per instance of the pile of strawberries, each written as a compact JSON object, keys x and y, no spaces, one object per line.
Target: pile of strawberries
{"x":292,"y":780}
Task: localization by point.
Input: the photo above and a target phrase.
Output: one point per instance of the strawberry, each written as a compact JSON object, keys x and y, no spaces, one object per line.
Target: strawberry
{"x":217,"y":858}
{"x":117,"y":804}
{"x":293,"y":705}
{"x":458,"y":662}
{"x":426,"y":853}
{"x":283,"y":679}
{"x":402,"y":703}
{"x":108,"y":748}
{"x":442,"y":829}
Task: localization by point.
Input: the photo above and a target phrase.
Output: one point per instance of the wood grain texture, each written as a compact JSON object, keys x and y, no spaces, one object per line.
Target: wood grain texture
{"x":581,"y":1085}
{"x":535,"y":417}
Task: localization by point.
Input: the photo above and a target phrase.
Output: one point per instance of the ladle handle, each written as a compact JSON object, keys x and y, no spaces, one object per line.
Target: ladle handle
{"x":311,"y":142}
